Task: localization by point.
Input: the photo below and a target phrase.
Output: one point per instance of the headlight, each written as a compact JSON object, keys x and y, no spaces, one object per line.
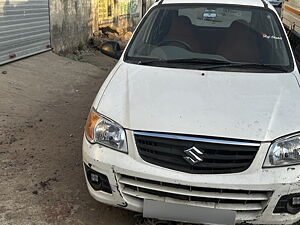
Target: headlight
{"x":284,"y":152}
{"x":104,"y":131}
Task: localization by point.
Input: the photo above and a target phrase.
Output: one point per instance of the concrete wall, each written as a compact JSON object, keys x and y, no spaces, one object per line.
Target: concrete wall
{"x":121,"y":14}
{"x":72,"y":23}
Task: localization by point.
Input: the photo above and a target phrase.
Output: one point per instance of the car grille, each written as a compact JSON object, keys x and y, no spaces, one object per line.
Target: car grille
{"x":241,"y":201}
{"x":219,"y":156}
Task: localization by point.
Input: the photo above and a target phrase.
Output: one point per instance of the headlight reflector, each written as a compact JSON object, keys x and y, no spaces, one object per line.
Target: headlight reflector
{"x":104,"y":131}
{"x":284,"y":152}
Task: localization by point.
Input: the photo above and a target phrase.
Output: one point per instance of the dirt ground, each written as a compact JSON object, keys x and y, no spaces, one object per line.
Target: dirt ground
{"x":45,"y":100}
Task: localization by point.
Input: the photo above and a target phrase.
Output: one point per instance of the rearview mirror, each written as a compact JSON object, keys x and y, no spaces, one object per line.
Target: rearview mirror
{"x":111,"y":49}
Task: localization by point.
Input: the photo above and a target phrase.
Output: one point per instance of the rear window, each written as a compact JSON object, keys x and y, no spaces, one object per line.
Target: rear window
{"x":215,"y":16}
{"x":236,"y":34}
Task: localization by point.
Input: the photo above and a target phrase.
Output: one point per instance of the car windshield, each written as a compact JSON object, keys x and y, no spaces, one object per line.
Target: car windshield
{"x":214,"y":36}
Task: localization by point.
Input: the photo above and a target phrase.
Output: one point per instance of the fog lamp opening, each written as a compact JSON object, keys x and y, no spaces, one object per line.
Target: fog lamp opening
{"x":288,"y":204}
{"x":98,"y":181}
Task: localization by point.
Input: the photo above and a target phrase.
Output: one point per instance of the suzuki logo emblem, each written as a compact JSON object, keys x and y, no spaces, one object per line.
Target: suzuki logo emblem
{"x":194,"y":155}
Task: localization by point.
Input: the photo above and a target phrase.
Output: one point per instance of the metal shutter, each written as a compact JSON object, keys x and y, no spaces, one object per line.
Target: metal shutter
{"x":24,"y":28}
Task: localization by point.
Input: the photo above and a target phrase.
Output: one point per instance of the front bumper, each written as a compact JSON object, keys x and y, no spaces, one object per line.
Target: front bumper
{"x":126,"y":169}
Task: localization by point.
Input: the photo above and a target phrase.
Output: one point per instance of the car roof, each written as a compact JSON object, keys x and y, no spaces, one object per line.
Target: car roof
{"x":257,"y":3}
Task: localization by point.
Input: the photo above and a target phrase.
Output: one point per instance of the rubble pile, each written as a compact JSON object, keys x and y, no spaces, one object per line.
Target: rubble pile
{"x":107,"y":33}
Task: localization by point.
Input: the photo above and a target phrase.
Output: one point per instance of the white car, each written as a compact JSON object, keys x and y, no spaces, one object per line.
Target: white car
{"x":276,"y":2}
{"x":199,"y":120}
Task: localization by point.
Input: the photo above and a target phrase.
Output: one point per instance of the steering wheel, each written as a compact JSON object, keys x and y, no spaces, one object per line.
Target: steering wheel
{"x":184,"y":44}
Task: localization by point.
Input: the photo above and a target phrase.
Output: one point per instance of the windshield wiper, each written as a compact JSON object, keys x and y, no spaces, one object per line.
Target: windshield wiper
{"x":248,"y":65}
{"x":185,"y":61}
{"x":214,"y":64}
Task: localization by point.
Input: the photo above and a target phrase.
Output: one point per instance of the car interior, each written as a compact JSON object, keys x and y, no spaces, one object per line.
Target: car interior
{"x":218,"y":41}
{"x":239,"y":42}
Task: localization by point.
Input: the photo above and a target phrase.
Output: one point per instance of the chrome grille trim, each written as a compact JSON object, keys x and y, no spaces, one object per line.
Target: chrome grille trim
{"x":197,"y":139}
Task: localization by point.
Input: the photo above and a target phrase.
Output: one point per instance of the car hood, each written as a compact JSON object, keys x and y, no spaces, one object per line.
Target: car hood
{"x":249,"y":106}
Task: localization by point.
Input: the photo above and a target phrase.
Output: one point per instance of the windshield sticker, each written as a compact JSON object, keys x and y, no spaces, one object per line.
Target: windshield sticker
{"x":209,"y":15}
{"x":272,"y":37}
{"x":231,"y":13}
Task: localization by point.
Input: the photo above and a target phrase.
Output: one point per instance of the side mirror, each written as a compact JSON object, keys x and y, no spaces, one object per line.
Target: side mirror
{"x":111,"y":49}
